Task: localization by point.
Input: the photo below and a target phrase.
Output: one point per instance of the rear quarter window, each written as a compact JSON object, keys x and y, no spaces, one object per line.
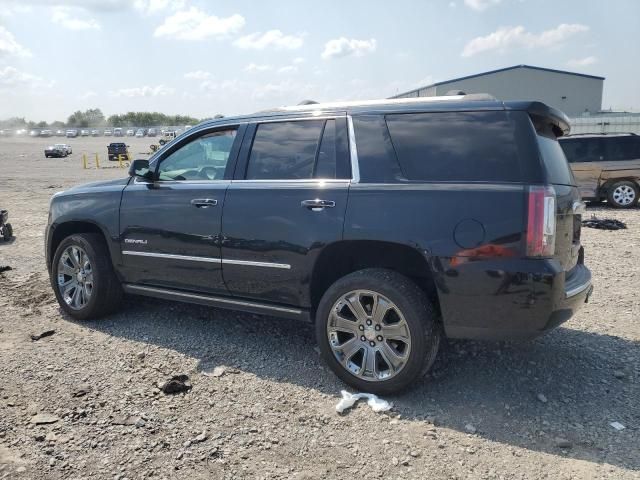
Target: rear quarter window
{"x":555,"y":162}
{"x":456,"y":146}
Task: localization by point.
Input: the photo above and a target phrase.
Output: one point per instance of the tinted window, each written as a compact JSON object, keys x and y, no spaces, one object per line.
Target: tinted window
{"x":204,"y":158}
{"x":622,"y":148}
{"x":376,"y":158}
{"x":461,"y":146}
{"x":284,"y":150}
{"x":555,"y":162}
{"x":578,"y":150}
{"x":326,"y":163}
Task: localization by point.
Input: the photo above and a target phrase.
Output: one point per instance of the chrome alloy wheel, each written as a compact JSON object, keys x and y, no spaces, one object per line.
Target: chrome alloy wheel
{"x":624,"y":195}
{"x":75,"y":277}
{"x":369,"y":335}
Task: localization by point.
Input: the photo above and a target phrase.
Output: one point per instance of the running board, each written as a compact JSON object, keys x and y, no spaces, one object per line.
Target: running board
{"x":220,"y":302}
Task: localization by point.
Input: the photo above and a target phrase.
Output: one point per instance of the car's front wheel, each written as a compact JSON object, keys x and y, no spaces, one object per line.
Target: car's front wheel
{"x":83,"y":278}
{"x":377,"y":330}
{"x":623,"y":194}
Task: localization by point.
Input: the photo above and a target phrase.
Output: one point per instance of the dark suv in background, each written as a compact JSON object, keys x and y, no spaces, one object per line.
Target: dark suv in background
{"x":387,"y":223}
{"x":606,"y":166}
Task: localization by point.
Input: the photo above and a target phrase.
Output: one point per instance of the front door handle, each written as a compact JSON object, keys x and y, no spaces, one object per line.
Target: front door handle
{"x":204,"y":202}
{"x":317,"y":205}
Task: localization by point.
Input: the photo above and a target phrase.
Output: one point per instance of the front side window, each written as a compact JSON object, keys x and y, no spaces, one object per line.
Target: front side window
{"x":623,"y":148}
{"x":204,"y":158}
{"x":293,"y":150}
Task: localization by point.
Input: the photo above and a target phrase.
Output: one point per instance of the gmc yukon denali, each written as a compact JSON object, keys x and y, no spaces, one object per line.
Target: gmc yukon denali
{"x":389,"y":224}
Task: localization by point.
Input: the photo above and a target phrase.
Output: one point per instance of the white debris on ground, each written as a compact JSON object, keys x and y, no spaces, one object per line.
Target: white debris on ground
{"x":349,"y":399}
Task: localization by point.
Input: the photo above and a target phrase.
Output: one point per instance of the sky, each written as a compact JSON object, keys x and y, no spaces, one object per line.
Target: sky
{"x":203,"y":58}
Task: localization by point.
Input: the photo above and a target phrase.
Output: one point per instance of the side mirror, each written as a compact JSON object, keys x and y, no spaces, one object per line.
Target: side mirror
{"x":140,"y":168}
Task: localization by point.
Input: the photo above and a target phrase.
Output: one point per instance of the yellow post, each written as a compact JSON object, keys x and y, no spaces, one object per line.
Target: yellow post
{"x":97,"y":161}
{"x":84,"y":161}
{"x":120,"y":160}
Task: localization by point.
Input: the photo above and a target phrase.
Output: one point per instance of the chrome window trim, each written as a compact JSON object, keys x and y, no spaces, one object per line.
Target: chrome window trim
{"x":213,"y":299}
{"x":444,"y":186}
{"x":227,"y":261}
{"x":353,"y":151}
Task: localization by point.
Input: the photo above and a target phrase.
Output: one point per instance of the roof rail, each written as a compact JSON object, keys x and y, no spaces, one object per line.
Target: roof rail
{"x":602,"y":133}
{"x":384,"y":101}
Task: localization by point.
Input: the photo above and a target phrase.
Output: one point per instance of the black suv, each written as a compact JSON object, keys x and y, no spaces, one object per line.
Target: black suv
{"x":387,"y":223}
{"x":117,"y":150}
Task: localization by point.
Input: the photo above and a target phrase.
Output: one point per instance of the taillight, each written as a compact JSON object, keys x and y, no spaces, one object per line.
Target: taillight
{"x":541,"y":222}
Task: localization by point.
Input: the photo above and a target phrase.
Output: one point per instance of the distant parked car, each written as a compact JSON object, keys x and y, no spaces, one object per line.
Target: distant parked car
{"x":55,"y":151}
{"x":167,"y":137}
{"x":84,"y":133}
{"x":45,"y":133}
{"x":108,"y":132}
{"x":117,"y":148}
{"x":130,"y":132}
{"x":95,"y":133}
{"x":152,"y":132}
{"x":65,"y":147}
{"x":34,"y":133}
{"x":117,"y":132}
{"x":72,"y":133}
{"x":60,"y":133}
{"x":605,"y":166}
{"x":140,"y":133}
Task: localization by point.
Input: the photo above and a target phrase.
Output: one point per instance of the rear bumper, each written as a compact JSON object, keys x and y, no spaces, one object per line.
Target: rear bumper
{"x":521,"y":300}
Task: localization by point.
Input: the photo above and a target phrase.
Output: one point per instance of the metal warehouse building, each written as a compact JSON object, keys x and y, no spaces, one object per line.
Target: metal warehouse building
{"x":576,"y":94}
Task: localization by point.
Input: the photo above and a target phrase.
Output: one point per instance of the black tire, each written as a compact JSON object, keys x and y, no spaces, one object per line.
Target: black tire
{"x":162,"y":141}
{"x":418,"y":312}
{"x":107,"y":294}
{"x":8,"y":232}
{"x":616,"y":200}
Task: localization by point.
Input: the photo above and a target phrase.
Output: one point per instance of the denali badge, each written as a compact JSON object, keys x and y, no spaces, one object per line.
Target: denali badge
{"x":137,"y":241}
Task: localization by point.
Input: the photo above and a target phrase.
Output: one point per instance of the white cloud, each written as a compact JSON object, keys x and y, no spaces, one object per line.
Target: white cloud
{"x":9,"y":46}
{"x":94,"y":5}
{"x":149,"y":7}
{"x":481,"y":5}
{"x":253,"y":67}
{"x":582,"y":62}
{"x":288,"y":69}
{"x":194,"y":24}
{"x":145,"y":91}
{"x":11,"y":78}
{"x":87,"y":95}
{"x":298,"y":60}
{"x":67,"y":18}
{"x":272,"y":38}
{"x":344,"y":47}
{"x":508,"y":37}
{"x":197,"y":75}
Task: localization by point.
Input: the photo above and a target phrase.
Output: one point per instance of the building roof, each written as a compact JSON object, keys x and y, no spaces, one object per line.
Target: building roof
{"x":444,"y":82}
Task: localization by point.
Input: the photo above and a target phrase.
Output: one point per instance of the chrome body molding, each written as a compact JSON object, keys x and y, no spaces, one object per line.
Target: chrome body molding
{"x":227,"y":261}
{"x":209,"y":299}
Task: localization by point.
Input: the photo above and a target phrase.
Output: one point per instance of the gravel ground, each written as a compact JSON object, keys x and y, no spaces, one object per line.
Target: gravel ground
{"x":262,"y":404}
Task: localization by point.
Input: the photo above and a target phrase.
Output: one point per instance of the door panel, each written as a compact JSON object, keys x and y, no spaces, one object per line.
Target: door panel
{"x":587,"y":176}
{"x":271,"y":241}
{"x":169,"y":241}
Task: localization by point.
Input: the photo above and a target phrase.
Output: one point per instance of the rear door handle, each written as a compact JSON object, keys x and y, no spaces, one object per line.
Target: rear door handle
{"x":317,"y":205}
{"x":204,"y":202}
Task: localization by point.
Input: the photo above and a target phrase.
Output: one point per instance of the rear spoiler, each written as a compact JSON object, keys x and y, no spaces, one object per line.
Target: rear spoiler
{"x":544,"y":117}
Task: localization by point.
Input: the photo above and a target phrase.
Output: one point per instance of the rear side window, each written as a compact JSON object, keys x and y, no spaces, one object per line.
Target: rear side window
{"x":555,"y":163}
{"x":293,"y":150}
{"x":580,"y":150}
{"x":622,"y":148}
{"x":456,"y":146}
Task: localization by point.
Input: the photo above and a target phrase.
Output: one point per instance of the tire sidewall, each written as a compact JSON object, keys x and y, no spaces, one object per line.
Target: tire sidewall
{"x":619,"y":184}
{"x":80,"y":241}
{"x":416,"y":317}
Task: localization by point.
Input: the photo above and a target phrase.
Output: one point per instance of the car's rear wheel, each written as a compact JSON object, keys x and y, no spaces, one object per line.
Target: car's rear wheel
{"x":623,"y":194}
{"x":83,"y":278}
{"x":377,"y":330}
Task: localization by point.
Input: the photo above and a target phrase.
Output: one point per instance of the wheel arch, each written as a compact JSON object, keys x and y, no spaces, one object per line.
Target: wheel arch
{"x":346,"y":256}
{"x":63,"y":230}
{"x":604,"y":188}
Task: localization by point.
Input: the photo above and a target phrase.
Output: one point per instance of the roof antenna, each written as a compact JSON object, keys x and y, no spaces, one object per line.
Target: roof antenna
{"x":454,"y":92}
{"x":308,"y":102}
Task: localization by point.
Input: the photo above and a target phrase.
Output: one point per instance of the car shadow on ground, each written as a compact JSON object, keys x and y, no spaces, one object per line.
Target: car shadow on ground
{"x":570,"y":384}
